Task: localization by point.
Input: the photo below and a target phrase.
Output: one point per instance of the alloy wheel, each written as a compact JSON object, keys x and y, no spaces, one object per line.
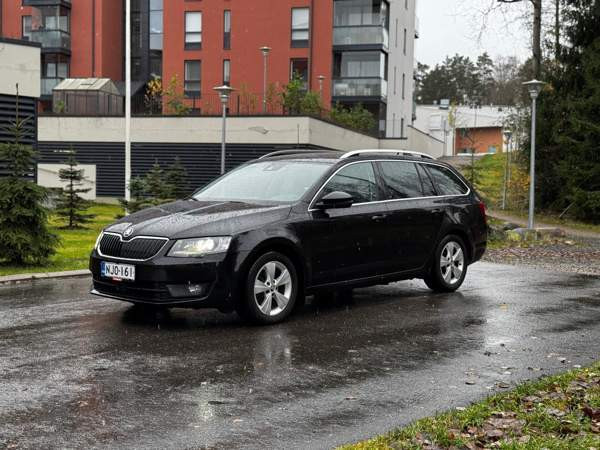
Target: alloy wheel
{"x":273,"y":287}
{"x":452,"y":262}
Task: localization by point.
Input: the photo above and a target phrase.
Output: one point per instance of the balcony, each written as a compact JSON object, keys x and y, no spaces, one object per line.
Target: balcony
{"x":361,"y":35}
{"x":48,"y":84}
{"x":53,"y":40}
{"x":360,"y":87}
{"x":37,"y":3}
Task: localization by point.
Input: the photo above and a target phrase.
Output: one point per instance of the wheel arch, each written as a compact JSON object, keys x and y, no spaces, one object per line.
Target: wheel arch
{"x":284,"y":246}
{"x":464,"y":235}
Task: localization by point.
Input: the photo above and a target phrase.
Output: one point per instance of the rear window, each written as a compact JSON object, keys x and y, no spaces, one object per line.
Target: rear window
{"x":446,"y":182}
{"x":401,"y":180}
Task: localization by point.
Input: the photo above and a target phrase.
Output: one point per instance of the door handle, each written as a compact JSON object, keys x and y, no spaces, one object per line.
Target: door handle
{"x":379,"y":218}
{"x":436,"y":211}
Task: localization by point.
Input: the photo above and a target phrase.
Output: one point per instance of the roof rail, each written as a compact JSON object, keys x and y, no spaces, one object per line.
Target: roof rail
{"x":290,"y":152}
{"x":409,"y":153}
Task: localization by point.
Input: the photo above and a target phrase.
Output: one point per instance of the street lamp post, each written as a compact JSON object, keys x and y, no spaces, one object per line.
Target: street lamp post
{"x":224,"y":94}
{"x":507,"y":137}
{"x":534,"y":87}
{"x":127,"y":100}
{"x":265,"y":51}
{"x":321,"y":79}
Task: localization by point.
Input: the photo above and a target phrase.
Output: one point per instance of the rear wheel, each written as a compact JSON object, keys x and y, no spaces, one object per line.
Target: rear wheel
{"x":449,"y":267}
{"x":271,"y":289}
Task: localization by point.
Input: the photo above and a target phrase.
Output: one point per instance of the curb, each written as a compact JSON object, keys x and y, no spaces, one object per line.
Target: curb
{"x":24,"y":278}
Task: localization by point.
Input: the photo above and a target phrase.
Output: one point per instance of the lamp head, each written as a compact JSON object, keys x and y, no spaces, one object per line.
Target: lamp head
{"x":224,"y":92}
{"x":534,"y":87}
{"x":265,"y":50}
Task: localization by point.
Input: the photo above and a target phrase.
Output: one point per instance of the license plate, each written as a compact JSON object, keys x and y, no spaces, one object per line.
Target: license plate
{"x":117,"y":271}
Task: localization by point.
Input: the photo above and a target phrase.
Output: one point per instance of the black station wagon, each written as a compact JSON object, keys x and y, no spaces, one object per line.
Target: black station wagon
{"x":295,"y":223}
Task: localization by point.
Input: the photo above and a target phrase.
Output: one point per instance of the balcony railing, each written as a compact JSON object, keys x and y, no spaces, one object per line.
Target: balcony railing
{"x":54,"y":39}
{"x":37,"y":3}
{"x":360,"y":87}
{"x":361,"y":35}
{"x":48,"y":84}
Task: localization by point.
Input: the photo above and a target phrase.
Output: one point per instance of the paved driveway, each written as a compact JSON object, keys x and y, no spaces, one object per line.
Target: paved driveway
{"x":81,"y":372}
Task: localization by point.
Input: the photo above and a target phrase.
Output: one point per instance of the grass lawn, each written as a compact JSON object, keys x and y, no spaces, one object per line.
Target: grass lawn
{"x":559,"y":412}
{"x":554,"y":220}
{"x":490,"y":184}
{"x":76,"y":245}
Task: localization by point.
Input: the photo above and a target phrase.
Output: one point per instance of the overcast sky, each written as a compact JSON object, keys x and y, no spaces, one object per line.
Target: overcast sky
{"x":448,"y":27}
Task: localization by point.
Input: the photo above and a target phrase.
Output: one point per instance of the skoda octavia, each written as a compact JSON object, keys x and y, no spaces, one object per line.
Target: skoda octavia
{"x":294,"y":223}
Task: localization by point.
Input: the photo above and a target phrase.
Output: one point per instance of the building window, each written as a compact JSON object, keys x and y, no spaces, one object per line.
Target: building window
{"x":395,"y":79}
{"x":26,"y":27}
{"x":193,"y":30}
{"x":397,"y":24}
{"x":402,"y":127}
{"x":226,"y":72}
{"x":192,"y":83}
{"x":227,"y":30}
{"x":156,"y":24}
{"x":406,"y":4}
{"x":299,"y":68}
{"x":404,"y":44}
{"x":403,"y":86}
{"x":300,"y":27}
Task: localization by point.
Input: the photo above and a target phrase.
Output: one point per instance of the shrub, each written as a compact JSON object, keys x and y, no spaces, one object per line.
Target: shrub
{"x":25,"y":237}
{"x":71,"y":206}
{"x":586,"y":205}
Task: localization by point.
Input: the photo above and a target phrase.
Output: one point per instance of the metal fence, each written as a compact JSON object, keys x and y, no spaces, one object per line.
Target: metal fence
{"x":209,"y":104}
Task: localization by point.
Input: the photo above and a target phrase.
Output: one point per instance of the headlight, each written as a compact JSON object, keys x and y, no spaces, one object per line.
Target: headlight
{"x":98,"y":241}
{"x":187,"y":248}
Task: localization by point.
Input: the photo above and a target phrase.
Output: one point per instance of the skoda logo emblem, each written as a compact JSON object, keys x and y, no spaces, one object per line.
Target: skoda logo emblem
{"x":128,"y":232}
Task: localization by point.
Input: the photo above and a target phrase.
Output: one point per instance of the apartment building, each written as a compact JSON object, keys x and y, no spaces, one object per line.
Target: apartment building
{"x":350,"y":51}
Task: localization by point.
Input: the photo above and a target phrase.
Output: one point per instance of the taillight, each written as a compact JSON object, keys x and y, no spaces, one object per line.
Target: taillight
{"x":482,"y":211}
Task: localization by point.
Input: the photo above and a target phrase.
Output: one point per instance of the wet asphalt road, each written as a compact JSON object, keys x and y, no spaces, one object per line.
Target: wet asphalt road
{"x":81,"y":372}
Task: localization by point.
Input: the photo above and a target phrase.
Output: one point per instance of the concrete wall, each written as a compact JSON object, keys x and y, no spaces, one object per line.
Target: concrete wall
{"x":240,"y":130}
{"x":48,"y":176}
{"x":19,"y":63}
{"x":424,"y":143}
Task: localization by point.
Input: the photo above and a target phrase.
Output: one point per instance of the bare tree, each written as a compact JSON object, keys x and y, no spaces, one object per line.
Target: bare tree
{"x":537,"y":33}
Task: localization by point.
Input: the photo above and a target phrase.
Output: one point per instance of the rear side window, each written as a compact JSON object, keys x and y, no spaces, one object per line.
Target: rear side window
{"x":428,"y":188}
{"x":401,"y":180}
{"x":358,"y":180}
{"x":446,"y":182}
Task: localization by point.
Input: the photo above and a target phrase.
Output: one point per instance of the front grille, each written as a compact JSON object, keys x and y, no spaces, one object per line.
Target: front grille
{"x":140,"y":248}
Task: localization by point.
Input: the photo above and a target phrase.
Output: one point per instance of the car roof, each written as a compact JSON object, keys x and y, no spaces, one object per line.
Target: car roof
{"x":338,"y":156}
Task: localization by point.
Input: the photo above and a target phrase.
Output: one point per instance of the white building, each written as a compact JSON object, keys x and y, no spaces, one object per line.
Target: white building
{"x":403,"y":33}
{"x":446,"y":123}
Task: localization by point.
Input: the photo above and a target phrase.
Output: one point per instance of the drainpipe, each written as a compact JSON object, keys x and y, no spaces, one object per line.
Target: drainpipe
{"x":93,"y":38}
{"x":311,"y":40}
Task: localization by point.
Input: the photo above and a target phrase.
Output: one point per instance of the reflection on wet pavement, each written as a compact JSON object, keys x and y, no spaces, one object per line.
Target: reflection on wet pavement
{"x":78,"y":371}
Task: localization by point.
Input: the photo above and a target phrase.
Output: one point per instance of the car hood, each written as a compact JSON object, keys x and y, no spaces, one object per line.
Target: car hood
{"x":191,"y":218}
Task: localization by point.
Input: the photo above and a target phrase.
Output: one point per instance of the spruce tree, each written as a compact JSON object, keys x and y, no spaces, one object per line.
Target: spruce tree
{"x":139,"y":201}
{"x":176,"y":180}
{"x":24,"y":236}
{"x":71,"y":206}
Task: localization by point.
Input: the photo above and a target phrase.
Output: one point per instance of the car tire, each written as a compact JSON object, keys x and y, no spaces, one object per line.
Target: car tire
{"x":449,"y":267}
{"x":270,"y":289}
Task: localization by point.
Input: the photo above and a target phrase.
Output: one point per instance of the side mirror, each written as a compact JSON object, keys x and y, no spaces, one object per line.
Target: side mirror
{"x":335,"y":200}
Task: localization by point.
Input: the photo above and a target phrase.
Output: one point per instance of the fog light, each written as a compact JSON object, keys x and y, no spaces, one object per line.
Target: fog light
{"x":195,"y":289}
{"x":188,"y":290}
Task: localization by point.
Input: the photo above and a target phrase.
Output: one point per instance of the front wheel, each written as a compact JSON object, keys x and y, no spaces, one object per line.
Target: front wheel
{"x":449,"y":267}
{"x":271,"y":289}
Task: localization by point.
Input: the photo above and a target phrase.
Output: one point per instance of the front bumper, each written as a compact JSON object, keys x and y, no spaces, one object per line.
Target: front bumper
{"x":206,"y":282}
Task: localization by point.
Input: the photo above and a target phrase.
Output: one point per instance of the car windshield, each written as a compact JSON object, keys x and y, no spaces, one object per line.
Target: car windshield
{"x":281,"y":181}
